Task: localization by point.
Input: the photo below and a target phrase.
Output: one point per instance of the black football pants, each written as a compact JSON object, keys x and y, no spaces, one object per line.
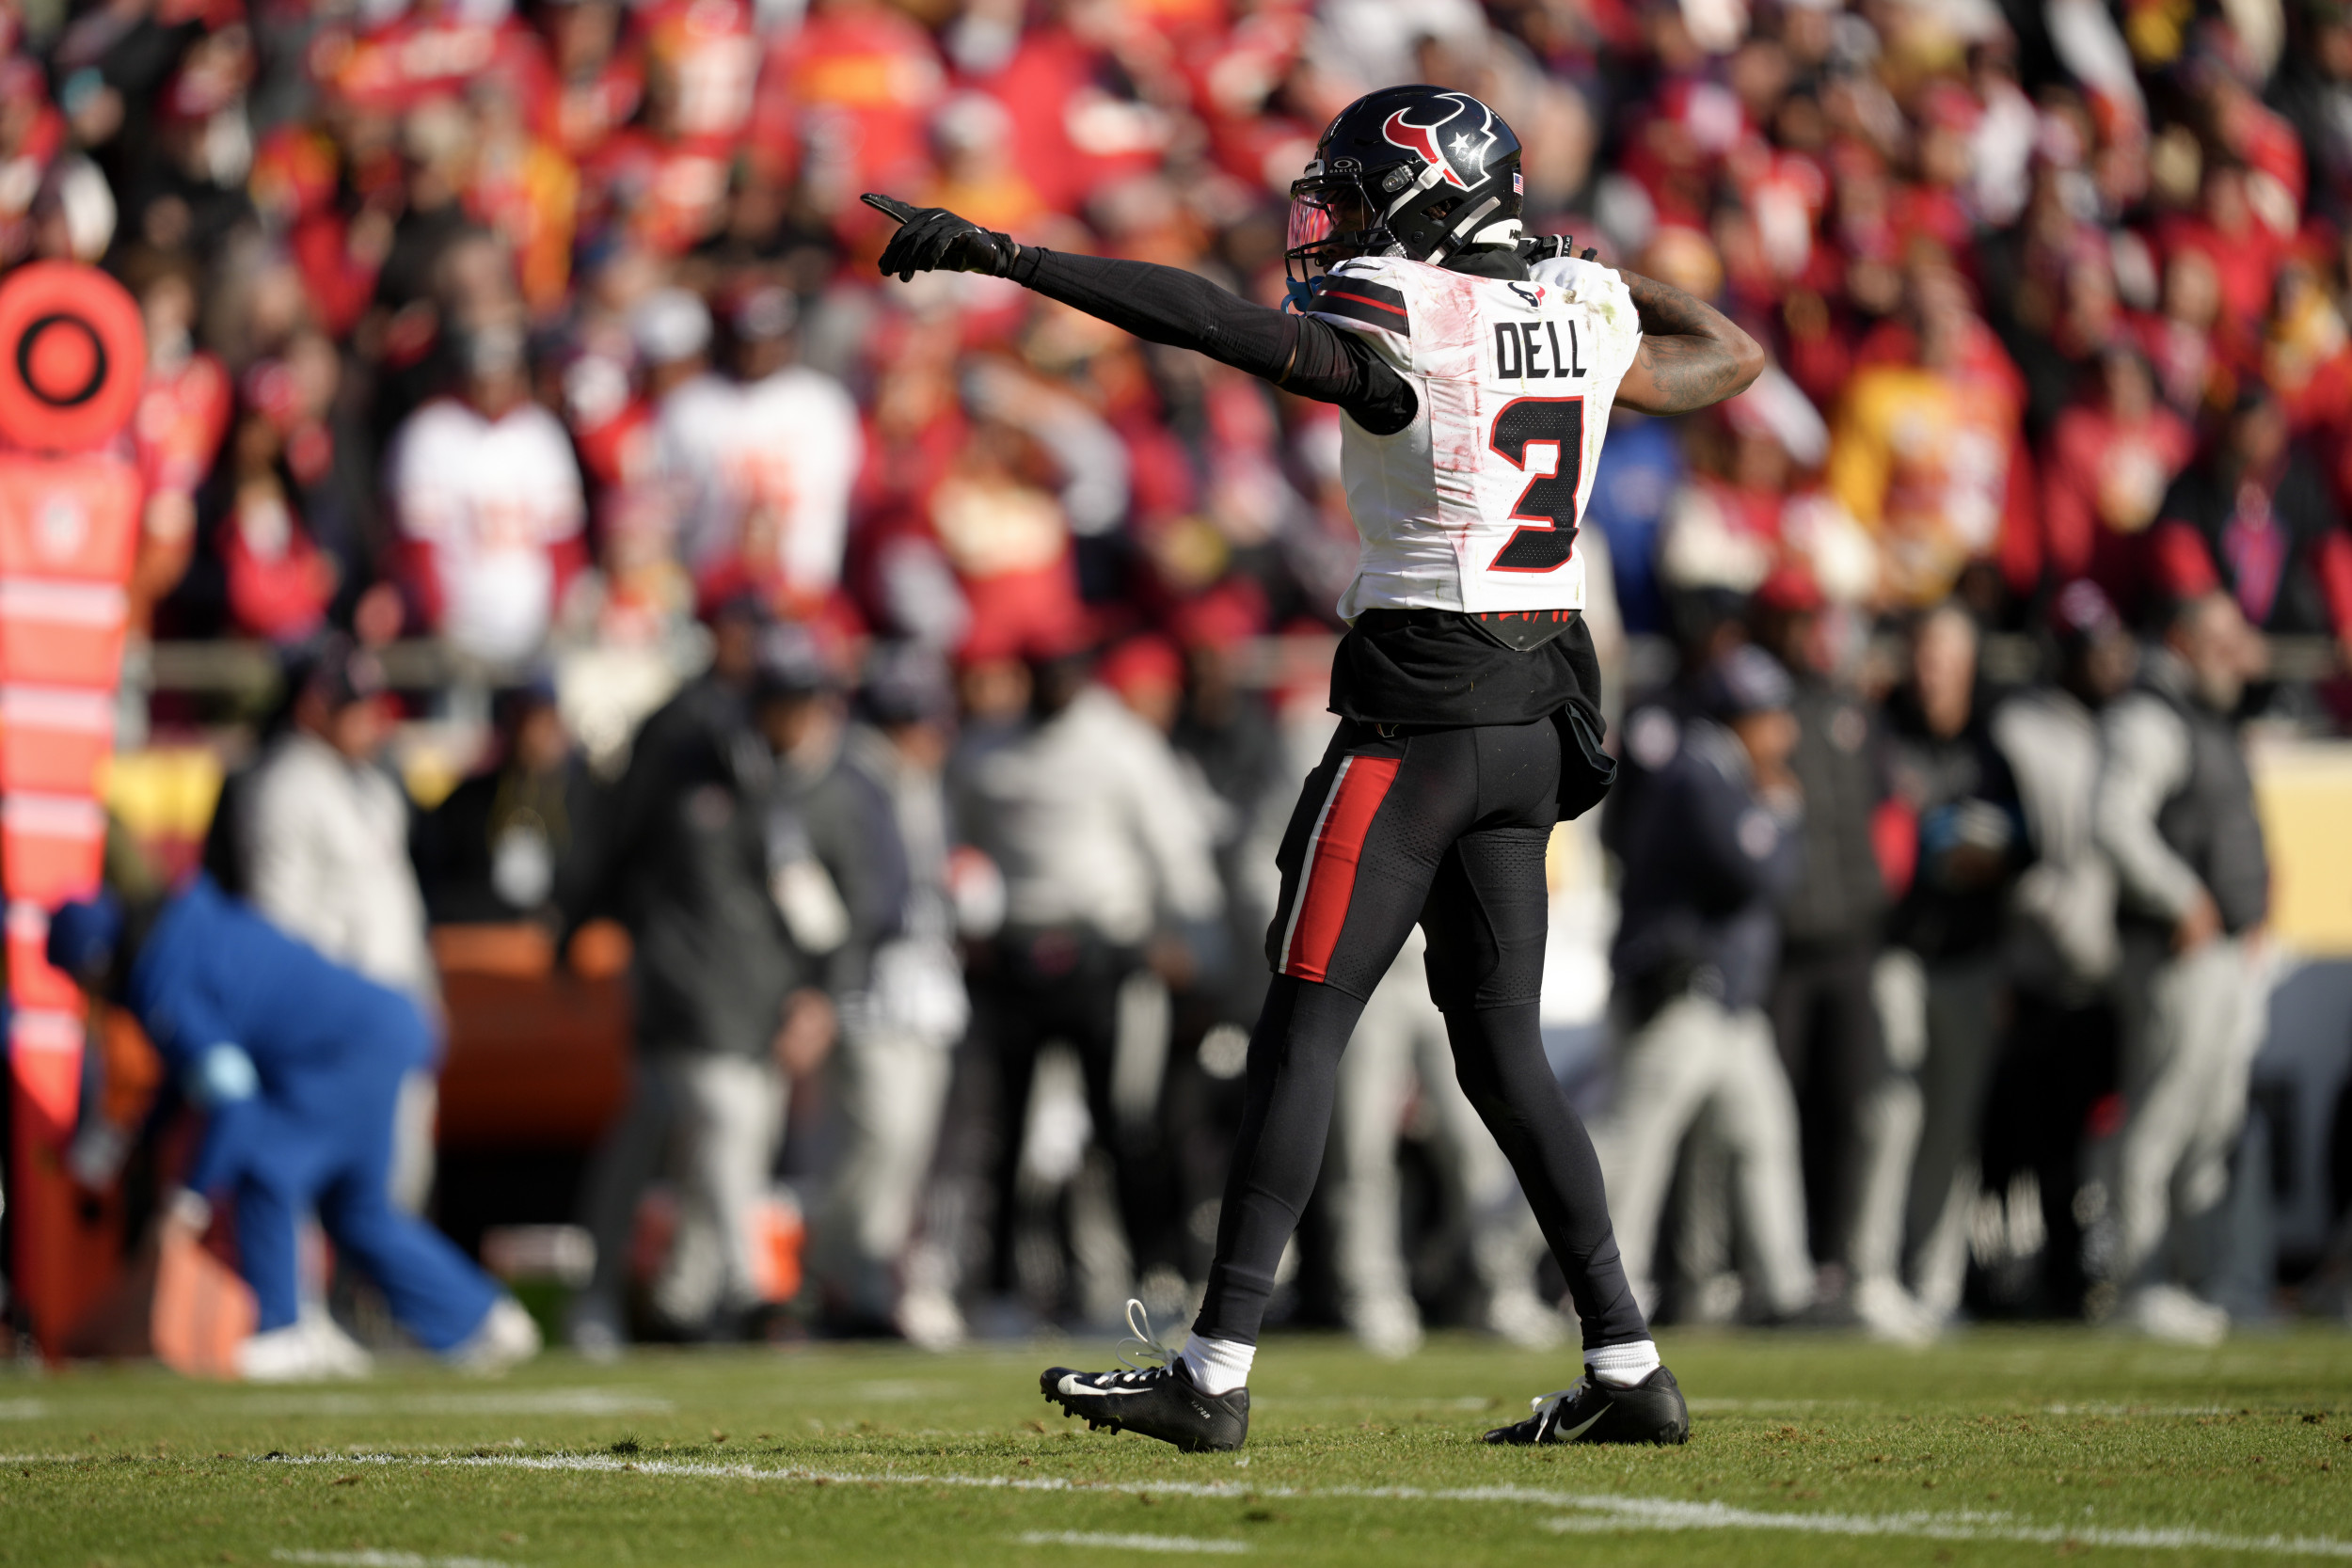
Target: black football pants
{"x":1447,"y":828}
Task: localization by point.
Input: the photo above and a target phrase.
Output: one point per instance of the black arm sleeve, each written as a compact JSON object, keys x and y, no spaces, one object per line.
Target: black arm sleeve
{"x":1168,"y":305}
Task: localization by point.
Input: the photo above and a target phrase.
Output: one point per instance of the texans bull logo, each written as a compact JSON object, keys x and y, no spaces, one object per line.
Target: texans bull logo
{"x":1457,"y":141}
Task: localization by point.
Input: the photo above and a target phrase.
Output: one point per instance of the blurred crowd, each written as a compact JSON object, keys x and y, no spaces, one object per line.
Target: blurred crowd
{"x":509,"y":325}
{"x":550,"y":329}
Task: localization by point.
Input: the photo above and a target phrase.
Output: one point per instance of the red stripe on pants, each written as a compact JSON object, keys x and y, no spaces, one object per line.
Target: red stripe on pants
{"x":1328,"y":880}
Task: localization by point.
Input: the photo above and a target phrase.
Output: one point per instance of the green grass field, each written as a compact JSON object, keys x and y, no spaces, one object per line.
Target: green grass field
{"x":1998,"y":1446}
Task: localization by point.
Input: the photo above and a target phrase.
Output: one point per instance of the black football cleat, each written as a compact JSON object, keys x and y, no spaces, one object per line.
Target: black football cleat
{"x":1159,"y":1401}
{"x":1652,"y":1411}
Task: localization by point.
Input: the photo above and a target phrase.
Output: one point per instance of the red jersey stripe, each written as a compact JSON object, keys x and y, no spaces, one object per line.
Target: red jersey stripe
{"x":1327,"y":882}
{"x":1335,"y":293}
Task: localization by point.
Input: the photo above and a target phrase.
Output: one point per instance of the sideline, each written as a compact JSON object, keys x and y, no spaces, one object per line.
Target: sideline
{"x":1665,"y":1514}
{"x":1588,"y":1512}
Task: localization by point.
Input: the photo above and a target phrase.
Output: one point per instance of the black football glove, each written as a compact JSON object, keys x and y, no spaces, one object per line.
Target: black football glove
{"x":933,"y":239}
{"x":1547,"y":248}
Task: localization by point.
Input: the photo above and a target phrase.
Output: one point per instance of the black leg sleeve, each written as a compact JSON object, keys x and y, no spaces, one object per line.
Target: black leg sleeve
{"x":1294,"y":1070}
{"x":1486,"y":919}
{"x":1499,"y":1057}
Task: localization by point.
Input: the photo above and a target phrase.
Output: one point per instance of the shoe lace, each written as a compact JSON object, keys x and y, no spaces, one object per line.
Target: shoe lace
{"x":1157,"y":1358}
{"x":1547,"y":1406}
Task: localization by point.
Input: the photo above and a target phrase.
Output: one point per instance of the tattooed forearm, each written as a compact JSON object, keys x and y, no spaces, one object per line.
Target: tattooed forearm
{"x":1688,"y":373}
{"x":1692,"y":355}
{"x":1666,"y":311}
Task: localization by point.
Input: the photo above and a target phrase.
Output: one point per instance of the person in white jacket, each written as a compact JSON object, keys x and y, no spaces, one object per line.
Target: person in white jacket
{"x":1107,"y":862}
{"x":321,"y":850}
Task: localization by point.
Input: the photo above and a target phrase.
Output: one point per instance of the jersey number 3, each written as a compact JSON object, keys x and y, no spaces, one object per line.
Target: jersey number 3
{"x":1548,"y":504}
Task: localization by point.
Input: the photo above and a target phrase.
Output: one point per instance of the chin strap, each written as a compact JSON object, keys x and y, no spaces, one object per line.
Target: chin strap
{"x":1297,"y":291}
{"x":1458,"y":236}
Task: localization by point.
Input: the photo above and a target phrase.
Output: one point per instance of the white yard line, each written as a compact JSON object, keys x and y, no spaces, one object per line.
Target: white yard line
{"x":1663,"y":1514}
{"x":21,"y":1410}
{"x":1128,"y":1543}
{"x":543,"y":1401}
{"x":374,"y":1557}
{"x":1592,"y":1511}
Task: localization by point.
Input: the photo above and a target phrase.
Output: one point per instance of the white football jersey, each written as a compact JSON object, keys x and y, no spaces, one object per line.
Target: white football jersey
{"x":1474,"y":505}
{"x":490,"y":496}
{"x":766,"y":467}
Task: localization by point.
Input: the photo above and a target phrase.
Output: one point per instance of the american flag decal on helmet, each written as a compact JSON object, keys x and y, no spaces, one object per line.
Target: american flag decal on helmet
{"x":1519,"y":183}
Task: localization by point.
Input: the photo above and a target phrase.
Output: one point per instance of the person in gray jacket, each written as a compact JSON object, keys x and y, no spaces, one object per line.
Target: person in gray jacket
{"x":2176,"y":815}
{"x":699,"y":858}
{"x":903,"y":1007}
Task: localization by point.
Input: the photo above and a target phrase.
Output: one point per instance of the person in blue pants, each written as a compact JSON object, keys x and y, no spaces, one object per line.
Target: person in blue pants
{"x":297,"y":1063}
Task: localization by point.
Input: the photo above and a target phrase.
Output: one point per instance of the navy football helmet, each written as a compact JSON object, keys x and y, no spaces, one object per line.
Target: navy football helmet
{"x":1415,"y":171}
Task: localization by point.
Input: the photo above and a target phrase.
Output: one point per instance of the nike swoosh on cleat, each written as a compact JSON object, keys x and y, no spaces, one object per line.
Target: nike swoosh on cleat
{"x":1082,"y":1388}
{"x":1571,"y":1433}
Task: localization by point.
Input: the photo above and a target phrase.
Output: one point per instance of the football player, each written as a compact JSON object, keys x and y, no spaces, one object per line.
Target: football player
{"x":1476,"y":367}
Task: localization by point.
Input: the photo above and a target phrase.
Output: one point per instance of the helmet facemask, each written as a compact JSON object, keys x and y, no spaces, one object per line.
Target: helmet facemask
{"x":1331,"y":221}
{"x":1336,"y":214}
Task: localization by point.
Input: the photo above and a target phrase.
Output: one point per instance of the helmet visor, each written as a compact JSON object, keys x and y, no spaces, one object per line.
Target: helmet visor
{"x":1310,"y":222}
{"x":1329,"y":216}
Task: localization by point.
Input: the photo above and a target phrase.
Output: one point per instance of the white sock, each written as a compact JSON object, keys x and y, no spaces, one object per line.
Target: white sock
{"x":1219,"y":1366}
{"x":1623,"y":1366}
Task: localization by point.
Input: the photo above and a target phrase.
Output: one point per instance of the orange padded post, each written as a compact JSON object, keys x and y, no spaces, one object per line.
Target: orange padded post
{"x":72,"y":357}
